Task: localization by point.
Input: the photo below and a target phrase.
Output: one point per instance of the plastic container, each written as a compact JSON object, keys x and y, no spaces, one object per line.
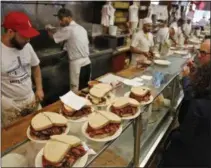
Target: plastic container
{"x":113,"y":30}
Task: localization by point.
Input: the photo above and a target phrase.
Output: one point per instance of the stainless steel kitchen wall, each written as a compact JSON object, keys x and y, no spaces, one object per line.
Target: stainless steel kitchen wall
{"x":41,"y":14}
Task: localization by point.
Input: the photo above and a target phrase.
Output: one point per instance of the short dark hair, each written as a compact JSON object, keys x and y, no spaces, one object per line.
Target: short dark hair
{"x":63,"y":13}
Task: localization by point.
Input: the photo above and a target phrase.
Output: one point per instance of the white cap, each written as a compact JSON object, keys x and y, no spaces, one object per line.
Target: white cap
{"x":175,"y":28}
{"x":147,"y":21}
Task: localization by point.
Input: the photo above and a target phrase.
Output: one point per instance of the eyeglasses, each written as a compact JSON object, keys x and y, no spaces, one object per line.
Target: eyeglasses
{"x":203,"y":53}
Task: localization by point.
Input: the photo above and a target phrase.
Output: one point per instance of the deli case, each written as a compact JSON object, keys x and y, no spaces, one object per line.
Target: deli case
{"x":139,"y":138}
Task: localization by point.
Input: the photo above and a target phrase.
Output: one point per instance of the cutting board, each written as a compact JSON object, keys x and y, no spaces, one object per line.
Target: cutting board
{"x":109,"y":159}
{"x":129,"y":72}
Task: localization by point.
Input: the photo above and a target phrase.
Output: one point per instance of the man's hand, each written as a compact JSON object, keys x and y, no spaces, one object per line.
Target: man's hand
{"x":151,"y":55}
{"x":146,"y":54}
{"x":186,"y":71}
{"x":39,"y":95}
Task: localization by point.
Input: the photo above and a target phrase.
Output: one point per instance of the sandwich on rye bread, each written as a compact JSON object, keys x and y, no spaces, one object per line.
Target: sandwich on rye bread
{"x":73,"y":114}
{"x":62,"y":151}
{"x":99,"y":93}
{"x":124,"y":107}
{"x":103,"y":124}
{"x":141,"y":94}
{"x":45,"y":124}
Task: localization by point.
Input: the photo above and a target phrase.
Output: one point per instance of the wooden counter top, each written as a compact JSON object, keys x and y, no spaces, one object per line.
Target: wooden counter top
{"x":16,"y":133}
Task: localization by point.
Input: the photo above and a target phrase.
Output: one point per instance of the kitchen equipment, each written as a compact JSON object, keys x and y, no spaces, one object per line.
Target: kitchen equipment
{"x":113,"y":30}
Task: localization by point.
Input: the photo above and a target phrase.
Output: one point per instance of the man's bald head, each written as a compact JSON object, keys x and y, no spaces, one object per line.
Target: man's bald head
{"x":204,"y":56}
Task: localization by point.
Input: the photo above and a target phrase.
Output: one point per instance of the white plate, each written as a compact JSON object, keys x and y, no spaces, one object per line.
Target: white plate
{"x":142,"y":103}
{"x":81,"y":162}
{"x":162,"y":62}
{"x":180,"y":52}
{"x":78,"y":120}
{"x":108,"y":101}
{"x":129,"y":117}
{"x":43,"y":141}
{"x":106,"y":139}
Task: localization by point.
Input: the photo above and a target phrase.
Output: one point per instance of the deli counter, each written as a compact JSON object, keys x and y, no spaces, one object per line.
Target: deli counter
{"x":139,"y":138}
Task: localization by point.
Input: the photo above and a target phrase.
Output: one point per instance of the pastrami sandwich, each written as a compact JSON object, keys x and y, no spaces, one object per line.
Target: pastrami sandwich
{"x":73,"y":114}
{"x":124,"y":107}
{"x":103,"y":124}
{"x":62,"y":151}
{"x":99,"y":93}
{"x":45,"y":124}
{"x":141,"y":94}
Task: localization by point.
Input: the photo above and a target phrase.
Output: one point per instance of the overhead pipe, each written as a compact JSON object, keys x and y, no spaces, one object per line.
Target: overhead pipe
{"x":32,"y":2}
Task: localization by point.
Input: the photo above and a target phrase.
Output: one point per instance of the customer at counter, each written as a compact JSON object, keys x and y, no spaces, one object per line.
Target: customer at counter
{"x":190,"y":142}
{"x":189,"y":79}
{"x":18,"y":62}
{"x":142,"y":43}
{"x":77,"y":46}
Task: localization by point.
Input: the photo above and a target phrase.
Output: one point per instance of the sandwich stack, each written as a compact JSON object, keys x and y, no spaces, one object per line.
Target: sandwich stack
{"x":125,"y":107}
{"x":141,"y":94}
{"x":102,"y":124}
{"x":45,"y":124}
{"x":62,"y":151}
{"x":73,"y":114}
{"x":100,"y":93}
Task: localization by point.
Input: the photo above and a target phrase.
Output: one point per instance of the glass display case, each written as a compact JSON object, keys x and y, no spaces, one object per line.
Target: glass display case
{"x":140,"y":136}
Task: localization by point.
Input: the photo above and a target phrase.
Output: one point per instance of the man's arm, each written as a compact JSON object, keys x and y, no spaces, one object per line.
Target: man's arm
{"x":137,"y":51}
{"x":59,"y":35}
{"x":172,"y":38}
{"x":36,"y":72}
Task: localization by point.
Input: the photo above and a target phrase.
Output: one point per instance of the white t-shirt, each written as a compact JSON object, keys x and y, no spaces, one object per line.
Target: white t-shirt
{"x":162,"y":35}
{"x":16,"y":71}
{"x":77,"y":43}
{"x":142,"y":42}
{"x":173,"y":24}
{"x":202,"y":22}
{"x":187,"y":28}
{"x":133,"y":13}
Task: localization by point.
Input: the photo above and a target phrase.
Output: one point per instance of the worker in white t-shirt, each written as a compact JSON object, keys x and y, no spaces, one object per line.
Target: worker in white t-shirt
{"x":163,"y":33}
{"x":163,"y":36}
{"x":77,"y":46}
{"x":187,"y":27}
{"x":142,"y":43}
{"x":19,"y":61}
{"x":178,"y":35}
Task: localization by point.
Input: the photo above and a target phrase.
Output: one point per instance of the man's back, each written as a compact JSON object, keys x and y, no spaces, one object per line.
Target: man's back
{"x":77,"y":44}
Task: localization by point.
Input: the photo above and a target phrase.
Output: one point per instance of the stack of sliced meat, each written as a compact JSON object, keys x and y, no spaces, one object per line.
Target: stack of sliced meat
{"x":110,"y":129}
{"x":128,"y":110}
{"x":144,"y":98}
{"x":46,"y":133}
{"x":78,"y":113}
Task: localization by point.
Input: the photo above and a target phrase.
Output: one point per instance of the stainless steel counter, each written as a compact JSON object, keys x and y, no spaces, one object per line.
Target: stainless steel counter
{"x":127,"y":145}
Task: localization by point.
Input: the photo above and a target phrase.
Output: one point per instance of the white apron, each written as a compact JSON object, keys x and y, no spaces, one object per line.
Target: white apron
{"x":74,"y":69}
{"x":105,"y":16}
{"x":111,"y":14}
{"x":11,"y":109}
